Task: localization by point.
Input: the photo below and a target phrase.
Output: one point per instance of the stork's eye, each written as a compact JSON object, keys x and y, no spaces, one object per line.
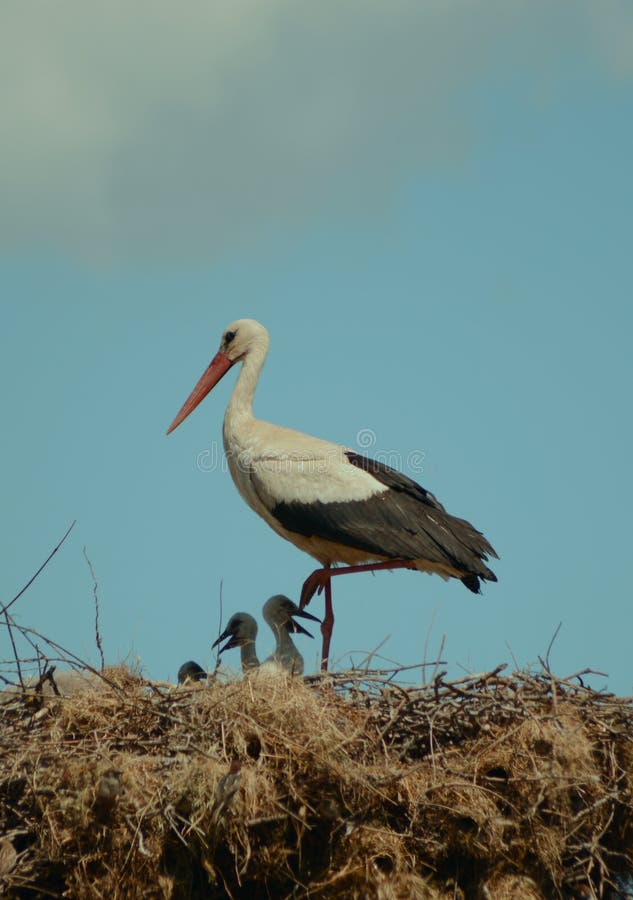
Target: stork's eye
{"x":228,"y":337}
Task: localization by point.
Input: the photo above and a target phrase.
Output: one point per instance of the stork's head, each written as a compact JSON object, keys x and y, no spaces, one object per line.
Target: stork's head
{"x":279,"y":611}
{"x":240,"y":339}
{"x":241,"y":629}
{"x":191,"y":671}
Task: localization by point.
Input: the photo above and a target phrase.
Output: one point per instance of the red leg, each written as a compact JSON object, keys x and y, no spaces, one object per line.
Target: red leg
{"x":315,"y":582}
{"x":326,"y":626}
{"x":321,"y":578}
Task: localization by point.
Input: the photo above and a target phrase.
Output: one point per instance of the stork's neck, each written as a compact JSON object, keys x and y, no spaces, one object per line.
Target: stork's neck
{"x":248,"y":656}
{"x":286,"y":650}
{"x":239,"y":412}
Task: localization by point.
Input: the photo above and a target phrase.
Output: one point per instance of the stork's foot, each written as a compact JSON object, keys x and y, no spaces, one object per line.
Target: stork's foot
{"x":314,"y":584}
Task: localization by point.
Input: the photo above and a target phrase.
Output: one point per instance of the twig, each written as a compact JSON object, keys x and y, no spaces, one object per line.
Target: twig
{"x":514,"y":659}
{"x":67,"y":655}
{"x":426,"y":645}
{"x":217,"y":653}
{"x":43,"y":566}
{"x":47,"y":675}
{"x":373,"y":653}
{"x":96,"y":596}
{"x":9,"y":621}
{"x":582,"y":672}
{"x":546,"y":664}
{"x":439,"y":656}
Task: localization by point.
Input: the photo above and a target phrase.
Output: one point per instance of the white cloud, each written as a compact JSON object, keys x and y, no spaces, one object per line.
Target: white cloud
{"x":175,"y":129}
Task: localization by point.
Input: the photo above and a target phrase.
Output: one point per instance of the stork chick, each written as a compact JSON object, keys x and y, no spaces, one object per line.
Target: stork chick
{"x":279,"y":612}
{"x":241,"y":632}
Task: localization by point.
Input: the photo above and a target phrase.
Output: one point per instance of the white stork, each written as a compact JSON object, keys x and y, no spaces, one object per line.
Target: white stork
{"x":328,"y":500}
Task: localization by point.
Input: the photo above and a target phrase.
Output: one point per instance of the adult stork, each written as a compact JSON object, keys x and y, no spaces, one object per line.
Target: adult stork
{"x":328,"y":500}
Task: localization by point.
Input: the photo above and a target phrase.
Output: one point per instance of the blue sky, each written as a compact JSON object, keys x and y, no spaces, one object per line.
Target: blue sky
{"x":428,"y":205}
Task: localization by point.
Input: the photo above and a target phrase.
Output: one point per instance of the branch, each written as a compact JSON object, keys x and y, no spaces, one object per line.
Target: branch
{"x":9,"y":621}
{"x":41,"y":568}
{"x":96,"y":596}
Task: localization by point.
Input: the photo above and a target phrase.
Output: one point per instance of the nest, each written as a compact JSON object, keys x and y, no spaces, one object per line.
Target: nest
{"x":343,"y":786}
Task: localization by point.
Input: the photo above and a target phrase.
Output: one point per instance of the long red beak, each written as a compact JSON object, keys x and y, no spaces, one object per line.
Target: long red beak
{"x":219,"y":366}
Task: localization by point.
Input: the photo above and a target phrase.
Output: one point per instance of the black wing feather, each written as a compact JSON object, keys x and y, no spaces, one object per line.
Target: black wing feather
{"x":406,"y":522}
{"x":393,"y":479}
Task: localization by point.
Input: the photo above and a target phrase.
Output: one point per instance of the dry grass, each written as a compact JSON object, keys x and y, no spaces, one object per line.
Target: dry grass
{"x":352,"y":786}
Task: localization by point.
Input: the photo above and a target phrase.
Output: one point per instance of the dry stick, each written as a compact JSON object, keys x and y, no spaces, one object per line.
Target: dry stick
{"x":47,"y":675}
{"x":373,"y":653}
{"x":39,"y":655}
{"x":8,"y":620}
{"x":96,"y":596}
{"x":357,"y":676}
{"x":69,"y":656}
{"x":426,"y":645}
{"x":217,"y":655}
{"x":514,"y":659}
{"x":437,"y":662}
{"x":545,"y":664}
{"x":5,"y":609}
{"x":581,"y":686}
{"x":43,"y":566}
